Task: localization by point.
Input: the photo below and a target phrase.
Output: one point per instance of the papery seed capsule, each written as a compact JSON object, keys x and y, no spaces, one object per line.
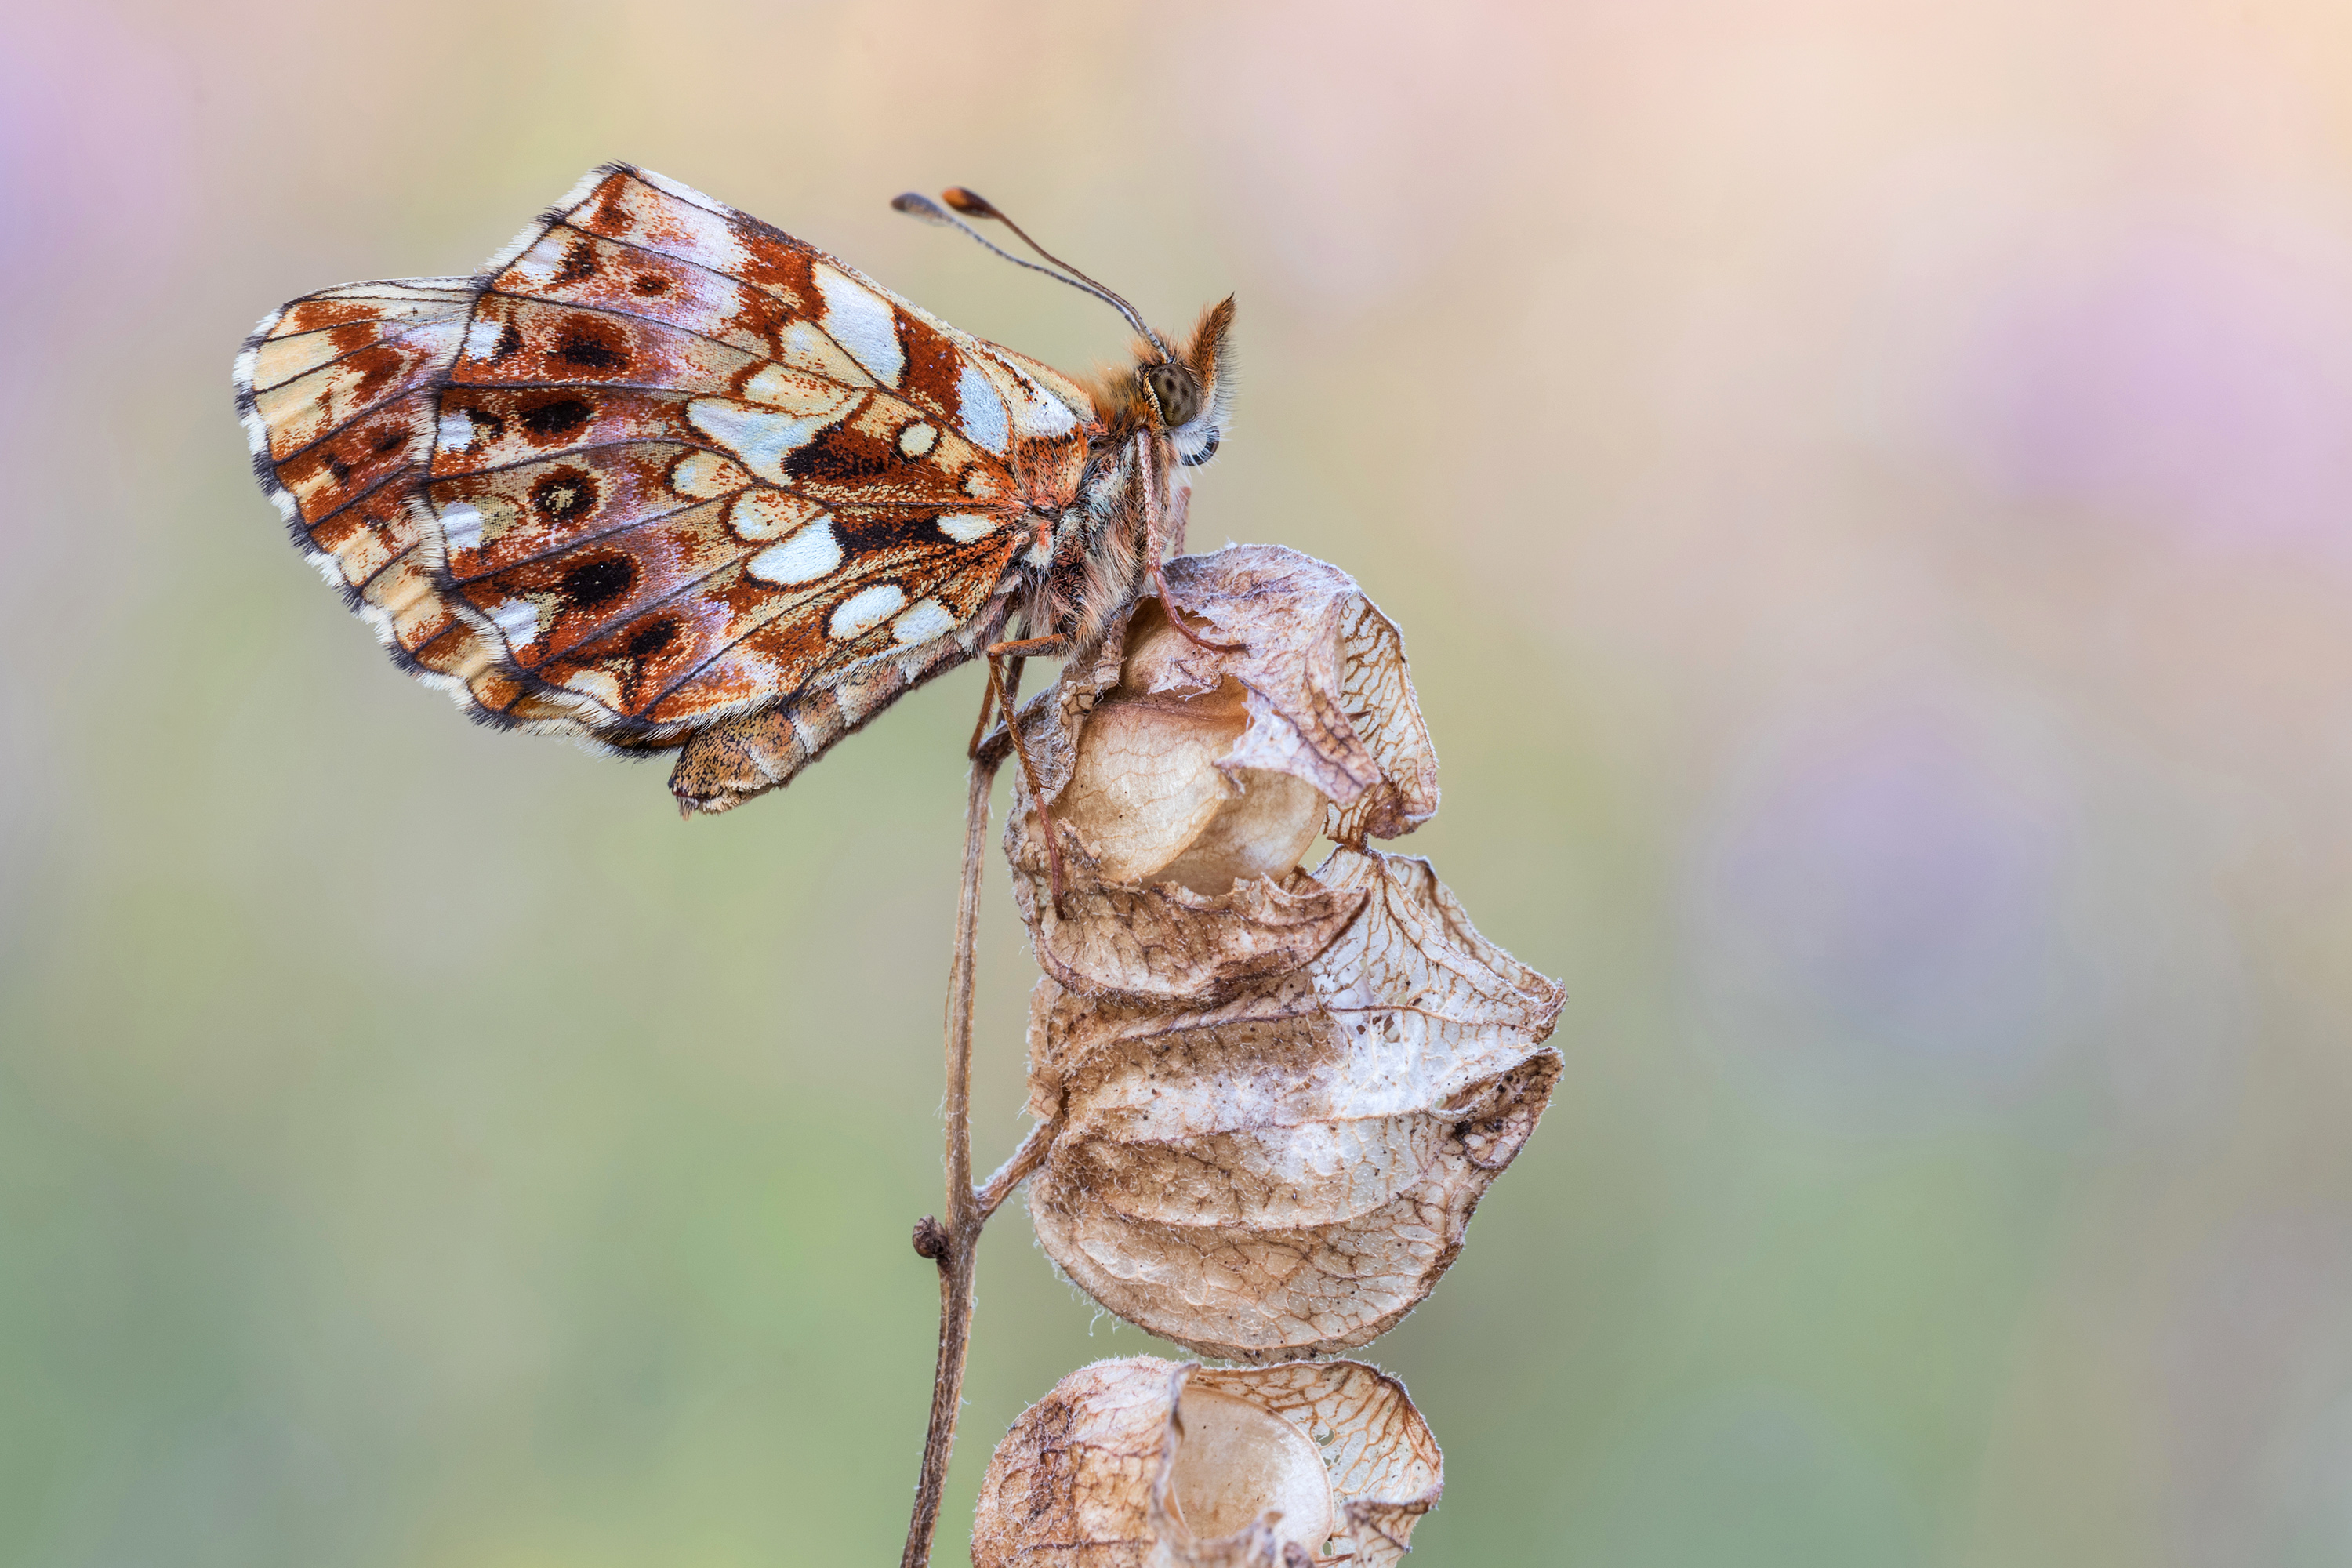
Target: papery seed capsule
{"x":1186,"y":782}
{"x":1238,"y":1462}
{"x":1144,"y":1463}
{"x":1291,"y":1170}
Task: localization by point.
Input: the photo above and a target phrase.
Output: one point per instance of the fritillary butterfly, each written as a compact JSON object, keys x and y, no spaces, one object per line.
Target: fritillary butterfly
{"x":662,"y":477}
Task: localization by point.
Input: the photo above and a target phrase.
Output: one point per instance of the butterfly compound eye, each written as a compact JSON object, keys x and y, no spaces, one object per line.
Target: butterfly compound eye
{"x":1179,"y":394}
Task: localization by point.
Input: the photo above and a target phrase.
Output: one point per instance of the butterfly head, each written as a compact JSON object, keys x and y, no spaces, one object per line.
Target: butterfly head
{"x":1190,"y":389}
{"x":1186,"y":393}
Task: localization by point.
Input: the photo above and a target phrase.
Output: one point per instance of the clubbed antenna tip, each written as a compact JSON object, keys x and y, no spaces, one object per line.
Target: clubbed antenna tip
{"x":914,"y":204}
{"x":971,"y":204}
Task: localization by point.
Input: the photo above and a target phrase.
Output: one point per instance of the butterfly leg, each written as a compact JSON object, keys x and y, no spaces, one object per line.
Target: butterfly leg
{"x":988,"y":695}
{"x":1022,"y":648}
{"x":1029,"y":771}
{"x":1155,"y":545}
{"x":1168,"y":603}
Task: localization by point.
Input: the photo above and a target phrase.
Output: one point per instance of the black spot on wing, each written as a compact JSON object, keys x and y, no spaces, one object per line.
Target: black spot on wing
{"x":590,"y":353}
{"x":653,"y":640}
{"x":599,"y":582}
{"x":579,"y":261}
{"x":560,"y":417}
{"x":843,"y":456}
{"x":564,"y":494}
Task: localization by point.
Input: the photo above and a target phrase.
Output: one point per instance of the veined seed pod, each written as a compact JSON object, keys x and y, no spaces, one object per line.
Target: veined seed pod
{"x":1276,"y":1097}
{"x":1291,"y":1170}
{"x":1186,"y":782}
{"x":1144,"y":1463}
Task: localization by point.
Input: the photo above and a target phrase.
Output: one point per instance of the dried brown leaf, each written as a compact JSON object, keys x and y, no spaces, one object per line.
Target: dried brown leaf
{"x":1144,"y":1463}
{"x":1291,"y":1169}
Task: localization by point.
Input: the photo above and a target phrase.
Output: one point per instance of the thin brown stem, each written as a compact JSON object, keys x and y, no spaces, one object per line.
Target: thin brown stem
{"x":954,"y":1244}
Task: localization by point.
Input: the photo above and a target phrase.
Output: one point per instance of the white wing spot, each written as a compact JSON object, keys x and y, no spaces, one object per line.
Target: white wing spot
{"x":916,"y":439}
{"x":761,"y":439}
{"x":866,"y":609}
{"x":811,"y":553}
{"x":535,"y":266}
{"x":461,"y":525}
{"x":797,"y":392}
{"x":456,"y":431}
{"x":482,"y":337}
{"x":924,"y":620}
{"x":1041,"y":413}
{"x":518,"y":621}
{"x":807,"y":349}
{"x":861,"y":321}
{"x":760,"y":515}
{"x":982,"y":410}
{"x":703,"y":475}
{"x":969,"y":527}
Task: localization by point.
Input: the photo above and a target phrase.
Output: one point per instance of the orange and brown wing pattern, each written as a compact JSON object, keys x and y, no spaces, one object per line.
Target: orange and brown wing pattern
{"x":660,"y":467}
{"x":338,"y":391}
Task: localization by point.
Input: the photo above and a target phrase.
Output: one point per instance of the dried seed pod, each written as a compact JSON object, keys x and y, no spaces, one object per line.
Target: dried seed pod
{"x":1185,"y":783}
{"x":1144,"y":1463}
{"x":1169,"y":945}
{"x":1291,"y":1169}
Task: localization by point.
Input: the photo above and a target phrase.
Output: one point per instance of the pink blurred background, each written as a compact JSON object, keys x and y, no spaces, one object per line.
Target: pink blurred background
{"x":1868,"y":490}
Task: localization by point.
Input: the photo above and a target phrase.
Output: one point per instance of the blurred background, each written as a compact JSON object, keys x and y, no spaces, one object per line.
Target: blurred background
{"x":1867,"y":486}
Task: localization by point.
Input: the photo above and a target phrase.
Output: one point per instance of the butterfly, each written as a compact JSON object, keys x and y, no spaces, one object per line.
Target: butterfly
{"x":662,"y":477}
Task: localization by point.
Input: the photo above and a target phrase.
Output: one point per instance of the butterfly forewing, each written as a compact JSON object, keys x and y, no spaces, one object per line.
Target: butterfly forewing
{"x":661,"y":467}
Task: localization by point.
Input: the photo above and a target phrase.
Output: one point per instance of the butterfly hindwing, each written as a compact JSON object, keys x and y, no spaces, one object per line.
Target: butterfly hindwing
{"x":338,"y":391}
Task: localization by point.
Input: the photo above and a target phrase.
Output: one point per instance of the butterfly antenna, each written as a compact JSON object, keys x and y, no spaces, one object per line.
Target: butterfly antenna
{"x":971,"y":204}
{"x":964,"y":201}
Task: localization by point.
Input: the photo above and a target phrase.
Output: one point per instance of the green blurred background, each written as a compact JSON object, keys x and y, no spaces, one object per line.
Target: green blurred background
{"x":1867,"y":485}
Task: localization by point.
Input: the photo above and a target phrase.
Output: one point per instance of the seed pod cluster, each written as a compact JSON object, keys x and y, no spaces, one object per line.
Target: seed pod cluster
{"x":1277,"y":1094}
{"x":1273,"y":1096}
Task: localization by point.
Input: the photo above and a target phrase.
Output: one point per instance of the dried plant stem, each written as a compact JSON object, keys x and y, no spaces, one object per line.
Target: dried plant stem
{"x":955,"y":1245}
{"x":1017,"y":1168}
